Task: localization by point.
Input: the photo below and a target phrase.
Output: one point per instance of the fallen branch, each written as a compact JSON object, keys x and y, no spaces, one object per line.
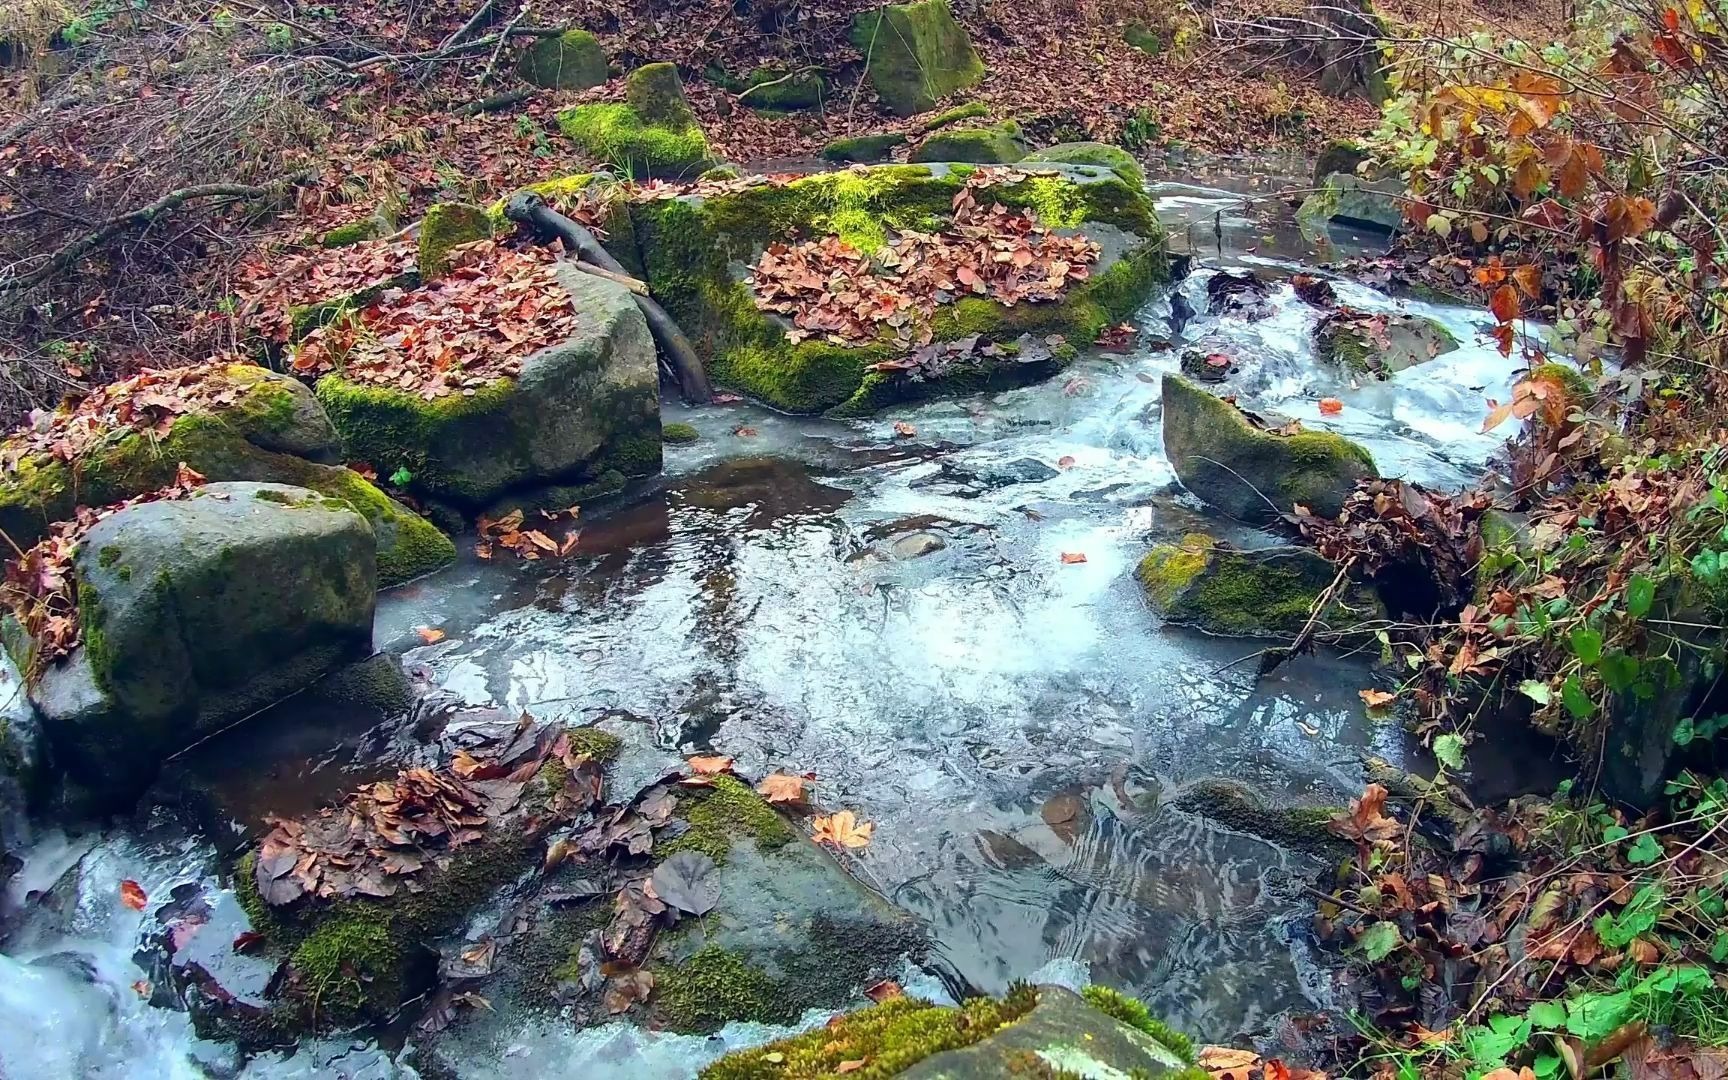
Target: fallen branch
{"x":789,"y":76}
{"x":473,"y":24}
{"x":1273,"y":657}
{"x":503,"y":40}
{"x":527,"y":208}
{"x":495,"y":103}
{"x":72,"y":253}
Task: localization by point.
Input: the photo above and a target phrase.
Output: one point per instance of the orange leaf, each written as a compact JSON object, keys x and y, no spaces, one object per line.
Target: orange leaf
{"x":1504,"y":304}
{"x":132,"y":895}
{"x":1070,"y":557}
{"x":851,"y":1066}
{"x":1330,"y":406}
{"x":843,"y":830}
{"x":782,"y":788}
{"x":904,"y":430}
{"x":1066,"y":461}
{"x":1529,"y":279}
{"x":710,"y":765}
{"x":429,"y":634}
{"x":1376,"y":699}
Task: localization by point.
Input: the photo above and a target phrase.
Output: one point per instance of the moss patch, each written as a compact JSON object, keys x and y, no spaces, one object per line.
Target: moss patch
{"x":862,"y":149}
{"x":783,"y":91}
{"x":345,"y":963}
{"x":573,"y":60}
{"x":1262,"y":593}
{"x":445,"y":226}
{"x":1114,"y":158}
{"x":1133,"y":1012}
{"x":653,"y":132}
{"x":888,"y":1038}
{"x":1170,"y":568}
{"x":678,"y":433}
{"x":718,"y":816}
{"x":995,"y":145}
{"x":915,"y":54}
{"x":968,"y":111}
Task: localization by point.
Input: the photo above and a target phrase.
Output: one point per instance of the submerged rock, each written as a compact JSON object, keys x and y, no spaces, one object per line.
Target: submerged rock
{"x":1207,"y":367}
{"x":1235,"y":805}
{"x":1250,"y":474}
{"x":273,"y":430}
{"x":918,"y":544}
{"x":915,"y":54}
{"x":1266,"y":592}
{"x":652,"y":132}
{"x":573,"y":60}
{"x":1114,"y":158}
{"x":999,"y":145}
{"x":698,"y":251}
{"x":1348,"y":200}
{"x":195,"y":613}
{"x":1380,"y":346}
{"x":1242,"y":294}
{"x":584,"y":413}
{"x":1043,"y":1031}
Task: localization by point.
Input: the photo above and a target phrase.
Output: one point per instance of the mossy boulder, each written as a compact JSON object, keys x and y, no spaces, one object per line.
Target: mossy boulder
{"x":197,"y":612}
{"x":775,"y":90}
{"x":445,"y":226}
{"x":1379,"y":347}
{"x":1114,"y":158}
{"x":1045,"y":1031}
{"x":1144,"y":38}
{"x":573,"y":60}
{"x":25,"y":773}
{"x":697,"y":253}
{"x":999,"y":145}
{"x":580,"y":411}
{"x":1351,"y":202}
{"x":1237,"y":806}
{"x":862,"y":149}
{"x":1338,"y":156}
{"x":969,"y":111}
{"x":915,"y":54}
{"x":1251,"y":474}
{"x":678,"y":433}
{"x":273,"y":431}
{"x":652,"y":133}
{"x":1266,"y":592}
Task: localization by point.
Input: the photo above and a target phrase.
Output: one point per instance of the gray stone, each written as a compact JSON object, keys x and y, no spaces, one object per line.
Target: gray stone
{"x":918,"y":544}
{"x":580,"y":410}
{"x":198,"y":612}
{"x":1350,"y":201}
{"x":915,"y":54}
{"x":1379,"y":346}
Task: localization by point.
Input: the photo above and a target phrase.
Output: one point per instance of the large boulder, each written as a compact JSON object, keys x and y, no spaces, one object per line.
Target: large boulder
{"x":583,"y":413}
{"x":999,"y":145}
{"x":1114,"y":158}
{"x":246,"y":423}
{"x":698,"y":252}
{"x":194,"y":613}
{"x":1353,"y":202}
{"x":1379,"y":346}
{"x":1042,"y":1031}
{"x":915,"y":54}
{"x":573,"y":60}
{"x":651,"y":133}
{"x":862,"y":149}
{"x":1267,"y":592}
{"x":1249,"y":473}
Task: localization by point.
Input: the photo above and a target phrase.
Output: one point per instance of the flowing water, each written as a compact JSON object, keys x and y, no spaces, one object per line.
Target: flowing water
{"x":903,"y":617}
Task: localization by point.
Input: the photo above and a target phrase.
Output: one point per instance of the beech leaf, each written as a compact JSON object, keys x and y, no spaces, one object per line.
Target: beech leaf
{"x":688,"y":881}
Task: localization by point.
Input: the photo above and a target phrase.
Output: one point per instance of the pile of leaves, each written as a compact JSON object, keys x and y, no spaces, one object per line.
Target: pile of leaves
{"x":149,"y":402}
{"x":829,"y":289}
{"x":1553,"y":936}
{"x":529,"y":544}
{"x":385,"y":836}
{"x":495,"y":307}
{"x":41,"y":589}
{"x":271,"y":289}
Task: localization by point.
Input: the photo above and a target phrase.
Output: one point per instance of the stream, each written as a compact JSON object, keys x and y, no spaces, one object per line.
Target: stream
{"x":905,"y":618}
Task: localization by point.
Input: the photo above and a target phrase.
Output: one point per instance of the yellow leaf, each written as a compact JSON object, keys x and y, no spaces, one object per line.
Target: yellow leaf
{"x":843,"y":830}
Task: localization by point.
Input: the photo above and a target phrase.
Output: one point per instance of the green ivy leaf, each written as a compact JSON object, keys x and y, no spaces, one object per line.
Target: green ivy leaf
{"x":1587,"y":645}
{"x":401,"y":477}
{"x":1449,"y":749}
{"x":1684,"y":731}
{"x":1619,"y":670}
{"x":1577,"y":702}
{"x":1644,"y":851}
{"x":1378,"y":941}
{"x":1640,"y":594}
{"x":1536,"y":691}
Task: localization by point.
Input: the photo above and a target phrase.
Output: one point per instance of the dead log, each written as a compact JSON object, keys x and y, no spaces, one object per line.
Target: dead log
{"x":530,"y":210}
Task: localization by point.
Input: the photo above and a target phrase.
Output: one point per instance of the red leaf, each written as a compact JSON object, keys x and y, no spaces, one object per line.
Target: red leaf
{"x":132,"y":895}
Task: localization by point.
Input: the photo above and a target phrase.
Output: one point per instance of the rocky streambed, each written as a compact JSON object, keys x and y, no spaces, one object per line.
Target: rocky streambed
{"x":932,"y":614}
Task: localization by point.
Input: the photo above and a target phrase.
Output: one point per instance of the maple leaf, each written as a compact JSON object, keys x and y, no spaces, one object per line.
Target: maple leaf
{"x":843,"y":830}
{"x":711,"y":765}
{"x":132,"y":895}
{"x":1331,"y":406}
{"x":1376,"y":699}
{"x":782,"y":788}
{"x":1367,"y":819}
{"x":431,"y":635}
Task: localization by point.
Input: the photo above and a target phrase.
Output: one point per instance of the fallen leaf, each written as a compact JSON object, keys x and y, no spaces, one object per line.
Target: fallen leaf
{"x":843,"y":830}
{"x":687,"y":880}
{"x":1070,"y":557}
{"x":884,"y":990}
{"x":744,"y":432}
{"x":1376,"y":699}
{"x":142,"y":988}
{"x":248,"y":941}
{"x":1066,"y":461}
{"x":1330,"y":406}
{"x":132,"y":895}
{"x":904,"y":430}
{"x":711,"y":765}
{"x":431,"y":635}
{"x":851,"y":1066}
{"x":782,"y":788}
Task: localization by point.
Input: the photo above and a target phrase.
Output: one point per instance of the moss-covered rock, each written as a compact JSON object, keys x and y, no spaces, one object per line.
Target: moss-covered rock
{"x":862,"y":149}
{"x":1251,"y":474}
{"x":196,"y":612}
{"x":678,"y":433}
{"x":969,"y":111}
{"x":915,"y":54}
{"x":1267,"y":592}
{"x":1380,"y":346}
{"x":1235,"y":805}
{"x":274,"y":431}
{"x":999,"y":145}
{"x":445,"y":226}
{"x":579,"y":410}
{"x":1144,"y":38}
{"x":1044,"y":1032}
{"x":1350,"y":201}
{"x":1114,"y":158}
{"x":1338,"y":156}
{"x":652,"y":133}
{"x":573,"y":60}
{"x":783,"y":91}
{"x":368,"y":228}
{"x":696,"y":253}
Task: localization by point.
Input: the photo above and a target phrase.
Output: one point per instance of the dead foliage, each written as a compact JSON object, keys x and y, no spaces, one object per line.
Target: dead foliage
{"x":529,"y":542}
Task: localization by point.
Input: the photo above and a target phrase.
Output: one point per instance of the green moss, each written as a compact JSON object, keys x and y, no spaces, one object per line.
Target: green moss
{"x":95,"y":642}
{"x":717,"y":816}
{"x":1240,"y":599}
{"x":1133,"y":1012}
{"x":1236,"y":806}
{"x":678,"y":433}
{"x":108,"y":556}
{"x":769,"y":88}
{"x":654,"y":131}
{"x":352,"y":233}
{"x":889,"y":1038}
{"x":389,"y":430}
{"x":573,"y":60}
{"x":958,"y":113}
{"x":592,"y":743}
{"x":445,"y":226}
{"x":714,"y":987}
{"x":1103,"y":155}
{"x":345,"y":964}
{"x":1168,"y":569}
{"x":985,"y":146}
{"x":915,"y":54}
{"x":657,"y":95}
{"x":1143,"y":38}
{"x":1577,"y":387}
{"x":865,"y":149}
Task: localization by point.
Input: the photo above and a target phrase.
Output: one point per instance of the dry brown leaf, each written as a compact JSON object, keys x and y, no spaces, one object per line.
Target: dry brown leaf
{"x":782,"y":788}
{"x":709,"y":765}
{"x":1071,"y":557}
{"x":843,"y":830}
{"x":429,"y":634}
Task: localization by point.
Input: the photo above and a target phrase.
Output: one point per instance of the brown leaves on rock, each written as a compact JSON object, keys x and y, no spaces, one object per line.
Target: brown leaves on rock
{"x":494,"y":308}
{"x":273,"y":289}
{"x":530,"y":542}
{"x":830,"y":290}
{"x":1367,"y":821}
{"x":132,"y":895}
{"x":782,"y":789}
{"x":938,"y":358}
